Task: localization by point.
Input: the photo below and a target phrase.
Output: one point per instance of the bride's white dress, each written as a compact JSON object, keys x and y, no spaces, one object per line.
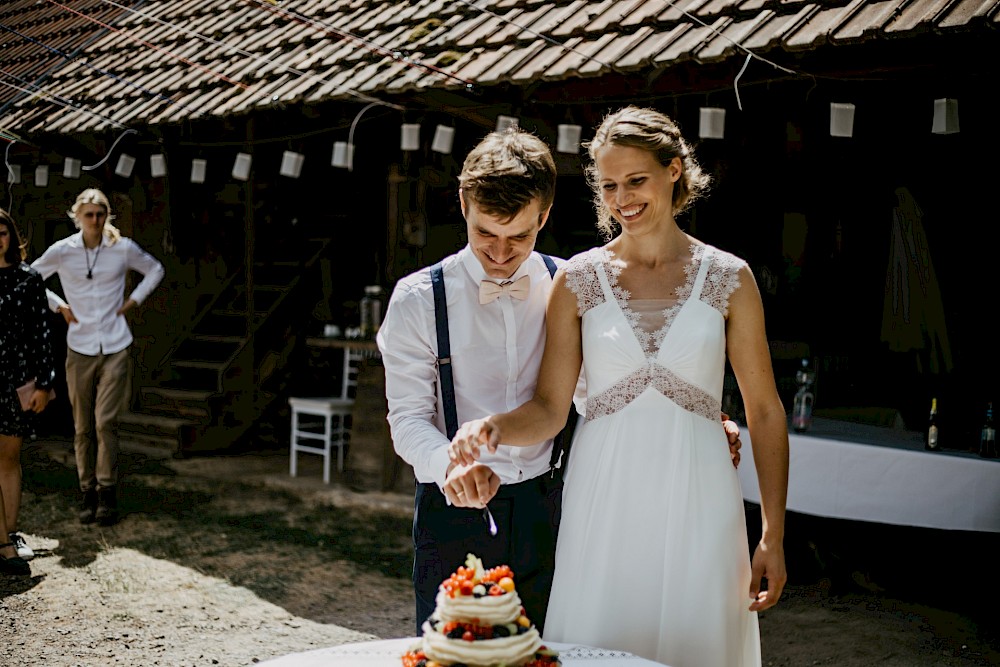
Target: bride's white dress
{"x":652,"y":556}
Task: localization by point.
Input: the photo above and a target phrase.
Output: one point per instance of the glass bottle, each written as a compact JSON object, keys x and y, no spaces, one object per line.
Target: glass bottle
{"x":371,"y":311}
{"x":988,"y":435}
{"x":802,"y":403}
{"x":931,"y":436}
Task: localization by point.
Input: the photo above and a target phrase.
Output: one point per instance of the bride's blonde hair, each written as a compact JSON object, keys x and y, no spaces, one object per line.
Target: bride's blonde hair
{"x":95,"y":196}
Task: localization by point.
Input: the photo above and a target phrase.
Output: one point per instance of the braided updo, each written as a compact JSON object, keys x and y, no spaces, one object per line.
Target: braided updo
{"x":652,"y":131}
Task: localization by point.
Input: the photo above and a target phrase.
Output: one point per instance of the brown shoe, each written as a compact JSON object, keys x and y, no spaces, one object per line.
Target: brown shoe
{"x":88,"y":506}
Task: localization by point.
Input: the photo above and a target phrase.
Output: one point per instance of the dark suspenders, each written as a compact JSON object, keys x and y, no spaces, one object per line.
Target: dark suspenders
{"x":444,"y":353}
{"x":444,"y":350}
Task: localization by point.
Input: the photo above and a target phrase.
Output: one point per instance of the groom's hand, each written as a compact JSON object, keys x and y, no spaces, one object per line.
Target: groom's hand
{"x":733,"y":436}
{"x":471,"y":486}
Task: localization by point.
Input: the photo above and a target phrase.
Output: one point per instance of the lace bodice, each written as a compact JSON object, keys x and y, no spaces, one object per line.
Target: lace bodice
{"x":687,"y":370}
{"x":721,"y":281}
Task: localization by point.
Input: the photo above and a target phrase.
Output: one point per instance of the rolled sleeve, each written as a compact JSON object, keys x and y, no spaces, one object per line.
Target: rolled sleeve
{"x":47,"y":265}
{"x":151,"y":269}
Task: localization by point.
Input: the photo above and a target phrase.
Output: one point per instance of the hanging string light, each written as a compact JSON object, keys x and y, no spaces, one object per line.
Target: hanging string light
{"x":291,"y":164}
{"x":841,"y":119}
{"x":444,"y":137}
{"x":945,"y":116}
{"x":199,"y":167}
{"x":71,"y":167}
{"x":712,"y":123}
{"x":409,"y":139}
{"x":241,"y":167}
{"x":568,"y":138}
{"x":157,"y":165}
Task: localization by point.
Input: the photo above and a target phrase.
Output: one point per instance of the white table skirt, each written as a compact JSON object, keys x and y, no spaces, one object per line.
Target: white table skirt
{"x":389,"y":652}
{"x":897,"y":482}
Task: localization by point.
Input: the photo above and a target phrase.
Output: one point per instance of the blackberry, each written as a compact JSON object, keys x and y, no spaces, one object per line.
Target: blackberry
{"x":501,"y":631}
{"x":456,"y":633}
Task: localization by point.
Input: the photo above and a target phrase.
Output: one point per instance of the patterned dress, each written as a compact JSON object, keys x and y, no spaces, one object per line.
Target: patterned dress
{"x":25,"y":344}
{"x":652,"y":555}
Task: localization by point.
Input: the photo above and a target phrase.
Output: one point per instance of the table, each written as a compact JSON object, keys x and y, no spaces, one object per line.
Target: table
{"x":369,"y":346}
{"x":387,"y":653}
{"x":865,"y":473}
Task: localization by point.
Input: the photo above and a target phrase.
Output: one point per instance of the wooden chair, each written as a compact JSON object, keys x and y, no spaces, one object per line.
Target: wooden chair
{"x":322,"y":424}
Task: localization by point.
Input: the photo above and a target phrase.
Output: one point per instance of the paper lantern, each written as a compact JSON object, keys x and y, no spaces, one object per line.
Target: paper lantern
{"x":409,"y":139}
{"x":339,"y":154}
{"x":291,"y":164}
{"x":13,"y":173}
{"x":712,"y":123}
{"x":198,"y":169}
{"x":841,"y":119}
{"x":505,"y":122}
{"x":945,"y":116}
{"x":569,"y":138}
{"x":444,"y":137}
{"x":71,"y":168}
{"x":157,"y":165}
{"x":125,"y":164}
{"x":241,"y":167}
{"x":42,"y":175}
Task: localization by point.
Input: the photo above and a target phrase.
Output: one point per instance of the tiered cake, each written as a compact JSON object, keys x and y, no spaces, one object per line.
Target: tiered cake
{"x":479,"y":622}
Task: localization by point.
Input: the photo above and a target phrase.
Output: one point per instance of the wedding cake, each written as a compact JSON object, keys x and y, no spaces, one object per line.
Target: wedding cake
{"x":478,"y":621}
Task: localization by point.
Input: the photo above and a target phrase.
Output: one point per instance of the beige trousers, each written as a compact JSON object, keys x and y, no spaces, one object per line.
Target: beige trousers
{"x":96,"y":387}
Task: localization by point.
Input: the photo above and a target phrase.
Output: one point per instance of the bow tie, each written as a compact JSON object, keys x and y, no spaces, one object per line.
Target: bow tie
{"x":518,"y":289}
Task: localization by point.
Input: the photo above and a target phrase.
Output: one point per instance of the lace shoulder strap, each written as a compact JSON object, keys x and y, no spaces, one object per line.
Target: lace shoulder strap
{"x":582,"y":278}
{"x":722,"y":278}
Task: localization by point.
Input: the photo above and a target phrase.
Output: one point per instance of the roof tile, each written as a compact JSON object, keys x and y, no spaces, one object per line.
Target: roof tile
{"x":312,"y":50}
{"x":870,"y":18}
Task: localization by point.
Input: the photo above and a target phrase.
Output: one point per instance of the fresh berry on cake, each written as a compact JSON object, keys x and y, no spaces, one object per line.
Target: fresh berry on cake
{"x":478,"y":621}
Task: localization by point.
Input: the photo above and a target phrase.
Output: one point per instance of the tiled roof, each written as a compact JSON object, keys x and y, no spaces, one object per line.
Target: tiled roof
{"x":88,"y":65}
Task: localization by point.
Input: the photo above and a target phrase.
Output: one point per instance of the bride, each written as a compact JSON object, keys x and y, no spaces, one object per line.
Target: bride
{"x":652,"y":554}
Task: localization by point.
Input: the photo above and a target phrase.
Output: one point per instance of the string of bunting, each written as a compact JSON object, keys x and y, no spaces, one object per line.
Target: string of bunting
{"x":711,"y":121}
{"x":711,"y":126}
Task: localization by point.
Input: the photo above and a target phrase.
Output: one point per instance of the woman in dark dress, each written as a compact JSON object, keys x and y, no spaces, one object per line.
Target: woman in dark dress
{"x":25,"y":355}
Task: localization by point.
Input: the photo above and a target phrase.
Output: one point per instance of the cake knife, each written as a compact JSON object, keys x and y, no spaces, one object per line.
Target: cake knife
{"x":489,"y":520}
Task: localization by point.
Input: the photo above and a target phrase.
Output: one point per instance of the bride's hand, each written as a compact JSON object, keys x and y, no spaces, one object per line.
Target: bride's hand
{"x":471,"y":436}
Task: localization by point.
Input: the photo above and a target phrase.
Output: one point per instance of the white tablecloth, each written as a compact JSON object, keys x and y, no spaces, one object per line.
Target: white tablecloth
{"x":388,"y":653}
{"x":896,"y":482}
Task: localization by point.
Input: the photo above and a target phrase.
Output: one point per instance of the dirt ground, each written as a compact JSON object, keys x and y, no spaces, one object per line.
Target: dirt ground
{"x":228,"y":561}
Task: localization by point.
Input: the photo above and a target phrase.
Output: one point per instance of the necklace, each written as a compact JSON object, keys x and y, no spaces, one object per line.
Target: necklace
{"x":86,"y":256}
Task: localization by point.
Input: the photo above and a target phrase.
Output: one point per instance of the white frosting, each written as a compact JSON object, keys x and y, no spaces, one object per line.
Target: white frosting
{"x":485,"y":610}
{"x":512,"y":650}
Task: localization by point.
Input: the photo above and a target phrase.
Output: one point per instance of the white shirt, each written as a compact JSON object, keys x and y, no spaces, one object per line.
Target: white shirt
{"x":496,"y":350}
{"x":95,"y":301}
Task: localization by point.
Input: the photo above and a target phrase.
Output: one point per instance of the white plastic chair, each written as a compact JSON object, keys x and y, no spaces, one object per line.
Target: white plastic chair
{"x":321,"y":424}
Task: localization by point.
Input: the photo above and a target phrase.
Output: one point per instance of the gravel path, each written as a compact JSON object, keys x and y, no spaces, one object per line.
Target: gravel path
{"x":126,"y":608}
{"x":228,"y":561}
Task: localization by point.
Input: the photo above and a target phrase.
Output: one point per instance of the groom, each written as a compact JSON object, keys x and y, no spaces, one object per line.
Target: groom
{"x":497,"y":288}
